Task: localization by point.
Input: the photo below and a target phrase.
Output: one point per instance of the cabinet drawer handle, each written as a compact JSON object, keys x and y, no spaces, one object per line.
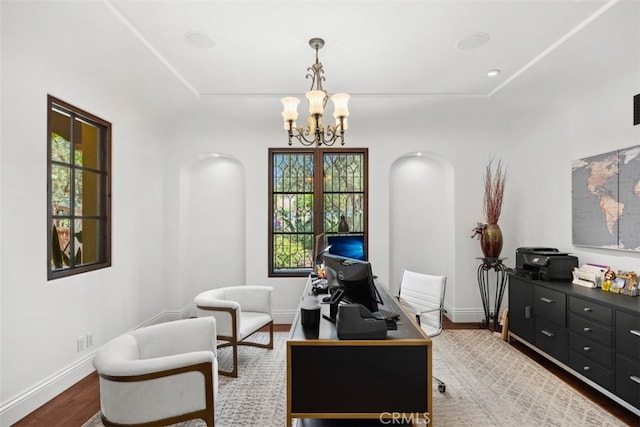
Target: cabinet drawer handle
{"x":547,"y":300}
{"x":634,"y":378}
{"x":527,"y":312}
{"x":586,"y":368}
{"x":587,"y":310}
{"x":587,"y":329}
{"x":635,"y":332}
{"x":547,"y":333}
{"x":586,"y":348}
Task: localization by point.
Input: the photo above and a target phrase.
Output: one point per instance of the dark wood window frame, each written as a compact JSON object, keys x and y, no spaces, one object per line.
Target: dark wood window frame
{"x":102,"y":171}
{"x":318,"y":195}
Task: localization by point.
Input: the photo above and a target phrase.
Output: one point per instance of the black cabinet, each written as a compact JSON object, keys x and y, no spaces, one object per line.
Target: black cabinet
{"x":521,"y":309}
{"x":627,"y":376}
{"x":594,"y":335}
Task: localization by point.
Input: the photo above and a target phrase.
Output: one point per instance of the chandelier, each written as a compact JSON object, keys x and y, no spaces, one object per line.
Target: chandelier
{"x":314,"y":133}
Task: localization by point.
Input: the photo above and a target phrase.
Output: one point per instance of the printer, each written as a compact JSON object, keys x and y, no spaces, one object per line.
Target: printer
{"x":546,"y":264}
{"x":356,"y":322}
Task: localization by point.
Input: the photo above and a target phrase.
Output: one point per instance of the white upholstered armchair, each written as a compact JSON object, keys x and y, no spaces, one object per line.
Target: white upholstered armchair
{"x":160,"y":374}
{"x":240,"y":311}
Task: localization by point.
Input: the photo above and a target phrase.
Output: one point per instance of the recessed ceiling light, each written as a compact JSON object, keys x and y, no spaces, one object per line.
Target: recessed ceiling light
{"x":493,"y":73}
{"x":199,"y":40}
{"x":472,"y":41}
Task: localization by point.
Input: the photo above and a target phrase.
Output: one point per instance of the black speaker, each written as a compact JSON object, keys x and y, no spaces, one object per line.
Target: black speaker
{"x":310,"y":313}
{"x":636,"y":109}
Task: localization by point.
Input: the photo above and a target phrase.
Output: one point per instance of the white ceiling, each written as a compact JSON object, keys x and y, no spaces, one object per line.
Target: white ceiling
{"x":372,"y":47}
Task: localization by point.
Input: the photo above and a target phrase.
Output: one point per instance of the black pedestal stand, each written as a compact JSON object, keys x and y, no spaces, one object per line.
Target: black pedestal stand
{"x":489,"y":264}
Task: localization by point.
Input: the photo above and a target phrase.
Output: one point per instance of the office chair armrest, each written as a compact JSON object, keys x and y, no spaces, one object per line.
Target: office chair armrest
{"x":419,"y":313}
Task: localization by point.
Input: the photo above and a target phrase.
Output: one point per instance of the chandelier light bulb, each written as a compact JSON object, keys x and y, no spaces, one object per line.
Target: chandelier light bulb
{"x":290,"y":112}
{"x":340,"y":101}
{"x":316,"y":101}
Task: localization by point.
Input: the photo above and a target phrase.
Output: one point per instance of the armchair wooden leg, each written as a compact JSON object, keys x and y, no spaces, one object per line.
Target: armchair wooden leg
{"x":255,"y":344}
{"x":233,"y":342}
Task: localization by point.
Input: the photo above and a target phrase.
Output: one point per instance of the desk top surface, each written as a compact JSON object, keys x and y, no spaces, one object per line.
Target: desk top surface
{"x":407,"y":328}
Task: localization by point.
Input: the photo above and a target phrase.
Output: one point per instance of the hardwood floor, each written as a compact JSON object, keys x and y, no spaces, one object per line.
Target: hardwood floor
{"x":71,"y":408}
{"x":82,"y":400}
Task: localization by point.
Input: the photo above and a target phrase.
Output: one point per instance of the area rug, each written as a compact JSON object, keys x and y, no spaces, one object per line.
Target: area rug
{"x":489,"y":383}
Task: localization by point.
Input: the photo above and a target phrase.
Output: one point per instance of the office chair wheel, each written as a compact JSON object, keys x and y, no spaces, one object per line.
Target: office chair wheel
{"x":442,"y":388}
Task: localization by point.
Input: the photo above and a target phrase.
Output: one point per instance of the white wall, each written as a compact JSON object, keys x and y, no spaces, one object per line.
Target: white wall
{"x":41,"y":319}
{"x":536,"y":125}
{"x":453,"y":131}
{"x":589,"y":114}
{"x":420,"y":222}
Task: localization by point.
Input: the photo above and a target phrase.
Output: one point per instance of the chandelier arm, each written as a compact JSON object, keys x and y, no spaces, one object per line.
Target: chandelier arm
{"x":302,"y":135}
{"x":316,"y":75}
{"x":332,"y":134}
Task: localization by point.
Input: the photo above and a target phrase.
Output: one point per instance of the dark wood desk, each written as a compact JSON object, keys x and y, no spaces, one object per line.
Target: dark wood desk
{"x":329,"y":378}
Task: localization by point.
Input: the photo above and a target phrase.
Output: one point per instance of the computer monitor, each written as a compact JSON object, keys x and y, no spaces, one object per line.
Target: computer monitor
{"x":351,"y":246}
{"x":355,"y":278}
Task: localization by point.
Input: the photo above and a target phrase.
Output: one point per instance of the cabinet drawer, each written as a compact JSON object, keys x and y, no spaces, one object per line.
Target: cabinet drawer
{"x":588,"y":368}
{"x":591,"y":329}
{"x":552,"y":339}
{"x":591,"y":310}
{"x":628,"y":334}
{"x":520,"y":308}
{"x":591,"y":349}
{"x":627,"y":380}
{"x":551,"y":305}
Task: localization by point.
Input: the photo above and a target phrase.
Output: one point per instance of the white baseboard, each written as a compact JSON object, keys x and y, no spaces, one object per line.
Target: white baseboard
{"x":21,"y":405}
{"x":471,"y":315}
{"x":283,"y":317}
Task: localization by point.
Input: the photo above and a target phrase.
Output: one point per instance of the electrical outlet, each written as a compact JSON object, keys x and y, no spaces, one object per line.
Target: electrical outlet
{"x":90,"y":341}
{"x":81,"y":343}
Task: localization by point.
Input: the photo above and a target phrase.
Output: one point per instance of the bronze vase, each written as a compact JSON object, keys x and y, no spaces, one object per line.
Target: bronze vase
{"x":491,"y":241}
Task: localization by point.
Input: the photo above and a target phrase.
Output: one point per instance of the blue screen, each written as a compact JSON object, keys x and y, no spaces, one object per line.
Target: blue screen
{"x":347,"y":246}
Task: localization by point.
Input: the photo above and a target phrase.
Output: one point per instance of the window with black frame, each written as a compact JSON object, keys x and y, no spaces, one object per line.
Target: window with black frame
{"x":78,"y":190}
{"x":315,"y":195}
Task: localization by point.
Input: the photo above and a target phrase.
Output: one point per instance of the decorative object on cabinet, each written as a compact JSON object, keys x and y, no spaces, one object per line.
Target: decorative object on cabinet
{"x":630,"y":287}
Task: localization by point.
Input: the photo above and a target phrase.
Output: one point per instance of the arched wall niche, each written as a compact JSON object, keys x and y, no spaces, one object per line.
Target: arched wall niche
{"x":421,"y":217}
{"x":212,"y":223}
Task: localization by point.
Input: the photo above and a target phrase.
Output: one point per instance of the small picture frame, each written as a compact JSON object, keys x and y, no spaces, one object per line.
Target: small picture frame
{"x":629,"y":284}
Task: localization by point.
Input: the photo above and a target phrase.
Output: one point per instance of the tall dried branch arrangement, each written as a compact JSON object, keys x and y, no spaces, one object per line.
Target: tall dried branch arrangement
{"x":493,"y":191}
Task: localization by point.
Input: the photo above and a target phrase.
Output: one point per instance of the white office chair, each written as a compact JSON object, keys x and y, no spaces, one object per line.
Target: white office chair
{"x":422,"y":295}
{"x":240,"y":311}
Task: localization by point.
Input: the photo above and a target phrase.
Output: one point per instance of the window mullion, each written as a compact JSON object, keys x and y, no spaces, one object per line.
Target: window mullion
{"x":72,"y":195}
{"x":318,"y":192}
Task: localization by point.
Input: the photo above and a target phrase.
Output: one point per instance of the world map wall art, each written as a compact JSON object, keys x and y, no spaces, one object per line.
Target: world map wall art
{"x":605,"y":192}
